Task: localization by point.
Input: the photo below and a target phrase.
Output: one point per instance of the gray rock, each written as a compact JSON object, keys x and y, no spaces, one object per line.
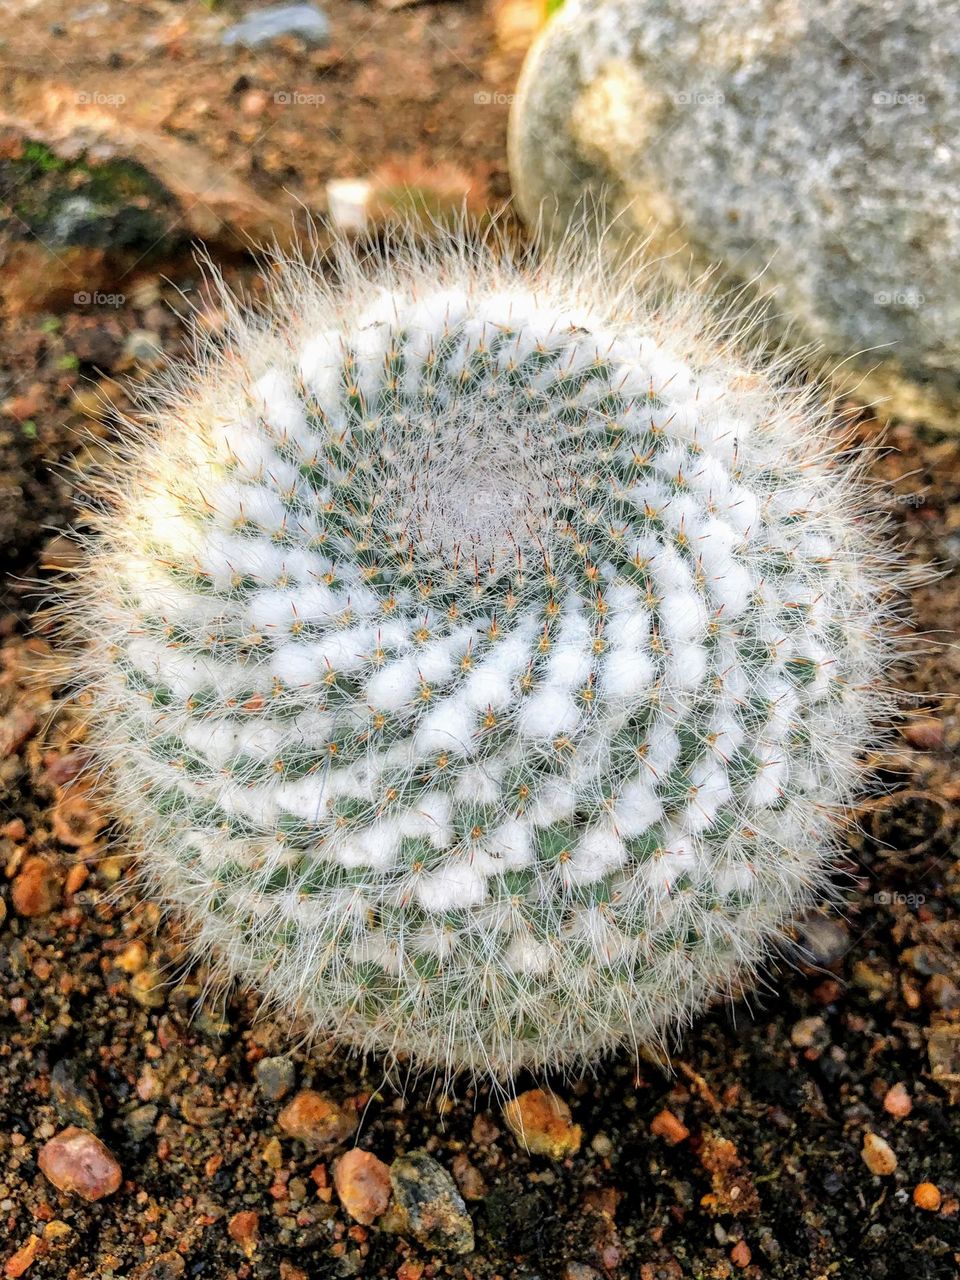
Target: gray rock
{"x":263,"y":25}
{"x":276,"y":1077}
{"x":811,"y":141}
{"x":822,"y":941}
{"x":74,"y":1099}
{"x":430,"y":1204}
{"x":144,"y":346}
{"x":140,"y":1121}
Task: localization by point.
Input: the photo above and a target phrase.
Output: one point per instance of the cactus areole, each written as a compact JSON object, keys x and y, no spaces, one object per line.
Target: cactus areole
{"x":481,"y":653}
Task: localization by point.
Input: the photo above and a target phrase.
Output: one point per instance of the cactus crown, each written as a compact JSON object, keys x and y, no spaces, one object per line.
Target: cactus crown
{"x":480,"y":652}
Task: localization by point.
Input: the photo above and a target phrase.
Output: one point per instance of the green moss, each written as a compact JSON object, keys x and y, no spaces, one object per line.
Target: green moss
{"x":115,"y":204}
{"x":41,"y":157}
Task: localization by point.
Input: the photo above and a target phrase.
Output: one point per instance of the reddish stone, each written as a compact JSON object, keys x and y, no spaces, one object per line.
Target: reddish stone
{"x":542,"y":1122}
{"x":76,"y":1161}
{"x":22,"y":1260}
{"x":75,"y":821}
{"x":36,"y":890}
{"x":740,"y":1254}
{"x":15,"y":728}
{"x":244,"y":1229}
{"x":363,"y":1185}
{"x":667,"y":1126}
{"x":316,"y":1120}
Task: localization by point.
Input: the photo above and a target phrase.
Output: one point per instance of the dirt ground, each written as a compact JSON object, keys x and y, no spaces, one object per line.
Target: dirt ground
{"x":758,"y":1169}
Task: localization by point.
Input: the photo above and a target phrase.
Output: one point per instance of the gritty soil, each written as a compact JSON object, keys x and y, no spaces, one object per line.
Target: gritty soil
{"x":746,"y":1159}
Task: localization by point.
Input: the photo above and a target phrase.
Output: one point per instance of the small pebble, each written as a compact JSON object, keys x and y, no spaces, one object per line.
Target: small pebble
{"x":90,"y":402}
{"x":275,"y":1077}
{"x":878,"y":1155}
{"x":133,"y":957}
{"x":667,"y":1126}
{"x":925,"y":734}
{"x":926,"y":1195}
{"x":823,"y":942}
{"x":429,"y":1203}
{"x":740,"y":1254}
{"x":244,"y":1230}
{"x":897,"y":1102}
{"x":15,"y":728}
{"x":140,"y":1120}
{"x":602,"y":1145}
{"x":942,"y":992}
{"x":543,"y":1124}
{"x":260,"y":26}
{"x":809,"y":1033}
{"x":147,"y":988}
{"x":468,"y":1177}
{"x":144,"y":346}
{"x":483,"y":1131}
{"x":316,"y":1120}
{"x":876,"y":981}
{"x":363,"y":1185}
{"x":36,"y":890}
{"x":77,"y":877}
{"x":943,"y":1052}
{"x":21,"y":1261}
{"x":73,"y":1101}
{"x":76,"y":1161}
{"x":76,"y":823}
{"x":254,"y":102}
{"x":212,"y":1023}
{"x":165,"y":1266}
{"x":289,"y":1272}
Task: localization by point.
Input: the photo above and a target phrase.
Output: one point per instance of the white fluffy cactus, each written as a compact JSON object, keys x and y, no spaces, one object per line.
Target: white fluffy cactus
{"x":481,"y":653}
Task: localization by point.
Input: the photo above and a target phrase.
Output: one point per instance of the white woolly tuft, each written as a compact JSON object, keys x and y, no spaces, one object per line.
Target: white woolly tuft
{"x":481,"y":651}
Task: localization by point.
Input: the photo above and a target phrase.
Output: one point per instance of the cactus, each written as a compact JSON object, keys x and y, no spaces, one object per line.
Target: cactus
{"x":481,"y":652}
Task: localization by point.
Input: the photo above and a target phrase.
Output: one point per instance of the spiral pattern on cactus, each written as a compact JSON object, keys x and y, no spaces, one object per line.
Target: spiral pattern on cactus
{"x":480,"y":654}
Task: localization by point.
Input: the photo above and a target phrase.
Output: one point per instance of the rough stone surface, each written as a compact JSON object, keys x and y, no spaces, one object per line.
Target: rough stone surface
{"x":878,"y":1155}
{"x":76,"y":1161}
{"x":363,"y":1185}
{"x":74,"y":1100}
{"x":809,"y":141}
{"x":276,"y":1077}
{"x":36,"y":890}
{"x":430,"y":1205}
{"x":542,"y":1123}
{"x":316,"y":1120}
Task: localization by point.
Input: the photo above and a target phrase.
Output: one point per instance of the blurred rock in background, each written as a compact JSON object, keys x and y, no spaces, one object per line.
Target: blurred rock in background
{"x":809,"y":148}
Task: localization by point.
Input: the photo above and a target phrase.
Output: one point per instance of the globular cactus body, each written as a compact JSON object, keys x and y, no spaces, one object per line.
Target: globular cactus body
{"x":480,"y":655}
